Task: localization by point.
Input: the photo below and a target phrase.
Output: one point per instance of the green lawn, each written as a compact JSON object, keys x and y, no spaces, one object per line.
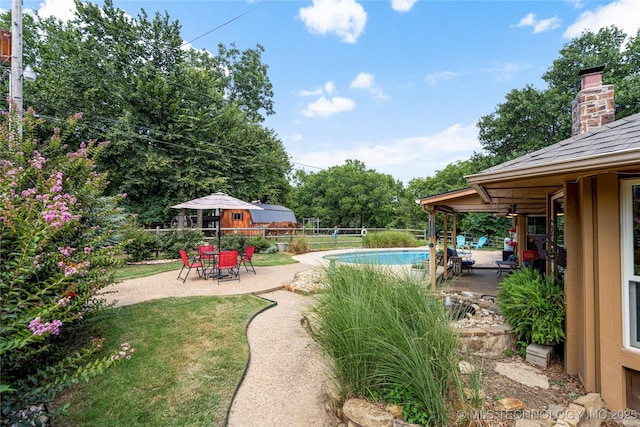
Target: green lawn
{"x":190,"y":354}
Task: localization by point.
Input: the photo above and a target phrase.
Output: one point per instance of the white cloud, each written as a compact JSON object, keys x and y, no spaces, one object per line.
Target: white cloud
{"x":324,"y":107}
{"x":402,"y":5}
{"x":434,"y":78}
{"x":546,"y":24}
{"x":362,"y":81}
{"x":365,"y":81}
{"x":61,"y":9}
{"x":402,"y":158}
{"x":621,"y":13}
{"x":576,"y":3}
{"x":328,"y":88}
{"x":539,"y":25}
{"x":506,"y":71}
{"x":346,"y":18}
{"x":527,"y":21}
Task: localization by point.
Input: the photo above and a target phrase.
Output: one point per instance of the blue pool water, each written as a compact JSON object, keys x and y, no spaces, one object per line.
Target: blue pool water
{"x":395,"y":257}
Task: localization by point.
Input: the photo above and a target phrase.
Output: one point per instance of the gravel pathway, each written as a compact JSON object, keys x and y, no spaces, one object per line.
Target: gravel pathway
{"x":286,"y":376}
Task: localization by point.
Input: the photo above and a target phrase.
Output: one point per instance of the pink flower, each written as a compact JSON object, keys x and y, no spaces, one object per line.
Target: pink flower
{"x":37,"y":327}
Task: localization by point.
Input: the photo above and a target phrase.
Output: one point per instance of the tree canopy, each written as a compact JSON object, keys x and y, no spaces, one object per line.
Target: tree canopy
{"x":181,"y":123}
{"x":347,"y":196}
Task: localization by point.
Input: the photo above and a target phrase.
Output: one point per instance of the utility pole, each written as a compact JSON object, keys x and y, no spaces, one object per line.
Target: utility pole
{"x":16,"y":60}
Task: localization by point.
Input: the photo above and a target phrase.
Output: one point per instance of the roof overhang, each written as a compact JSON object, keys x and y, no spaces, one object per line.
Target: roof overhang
{"x":530,"y":201}
{"x":528,"y":187}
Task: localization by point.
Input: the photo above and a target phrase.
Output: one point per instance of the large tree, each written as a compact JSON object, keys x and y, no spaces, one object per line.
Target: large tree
{"x":531,"y":119}
{"x":347,"y":196}
{"x":182,"y":123}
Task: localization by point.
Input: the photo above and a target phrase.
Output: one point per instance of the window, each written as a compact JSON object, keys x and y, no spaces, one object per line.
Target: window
{"x":236,"y":216}
{"x":630,"y":251}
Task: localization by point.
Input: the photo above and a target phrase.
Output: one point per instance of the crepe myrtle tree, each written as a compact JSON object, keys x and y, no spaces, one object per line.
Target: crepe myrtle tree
{"x":57,"y":247}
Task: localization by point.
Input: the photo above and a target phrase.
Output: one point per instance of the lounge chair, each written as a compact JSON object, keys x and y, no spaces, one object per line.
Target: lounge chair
{"x":480,"y":243}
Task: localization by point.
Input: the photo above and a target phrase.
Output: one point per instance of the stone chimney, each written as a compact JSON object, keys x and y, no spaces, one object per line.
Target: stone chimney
{"x":593,"y":106}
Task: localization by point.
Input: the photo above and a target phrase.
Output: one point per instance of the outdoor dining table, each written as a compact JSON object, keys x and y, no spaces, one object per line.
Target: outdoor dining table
{"x":209,"y":261}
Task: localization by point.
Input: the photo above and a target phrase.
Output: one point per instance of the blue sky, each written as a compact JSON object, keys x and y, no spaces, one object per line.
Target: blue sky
{"x":396,"y":84}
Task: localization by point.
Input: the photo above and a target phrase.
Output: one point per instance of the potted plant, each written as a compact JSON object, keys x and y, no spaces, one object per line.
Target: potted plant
{"x":282,"y":246}
{"x":420,"y":269}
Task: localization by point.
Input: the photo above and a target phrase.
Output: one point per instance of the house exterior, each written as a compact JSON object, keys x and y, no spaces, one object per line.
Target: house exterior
{"x":577,"y":202}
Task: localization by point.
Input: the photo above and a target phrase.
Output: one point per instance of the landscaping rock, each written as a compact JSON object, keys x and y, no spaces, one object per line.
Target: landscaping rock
{"x":524,"y":374}
{"x":366,"y":414}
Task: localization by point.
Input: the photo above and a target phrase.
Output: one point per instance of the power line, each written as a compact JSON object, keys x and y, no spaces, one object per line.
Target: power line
{"x":190,"y":89}
{"x":219,"y":26}
{"x":221,"y":152}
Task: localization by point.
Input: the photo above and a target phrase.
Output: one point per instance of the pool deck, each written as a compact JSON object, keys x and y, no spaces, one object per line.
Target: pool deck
{"x":483,"y":278}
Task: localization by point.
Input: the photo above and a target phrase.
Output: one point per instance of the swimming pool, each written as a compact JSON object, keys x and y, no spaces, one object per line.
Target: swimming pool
{"x":392,"y":257}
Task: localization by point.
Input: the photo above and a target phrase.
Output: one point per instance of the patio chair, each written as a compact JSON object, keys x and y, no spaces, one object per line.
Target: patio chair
{"x":187,"y":264}
{"x":228,"y":261}
{"x":206,"y":248}
{"x":510,"y":265}
{"x":467,"y":263}
{"x":461,"y":241}
{"x":480,"y":243}
{"x":246,"y":257}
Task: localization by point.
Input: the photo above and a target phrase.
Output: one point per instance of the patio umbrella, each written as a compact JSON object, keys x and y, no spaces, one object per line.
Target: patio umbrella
{"x":218,"y":201}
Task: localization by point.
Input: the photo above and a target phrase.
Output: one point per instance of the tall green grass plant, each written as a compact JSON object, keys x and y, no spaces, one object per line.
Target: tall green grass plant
{"x":389,"y":239}
{"x":389,"y":340}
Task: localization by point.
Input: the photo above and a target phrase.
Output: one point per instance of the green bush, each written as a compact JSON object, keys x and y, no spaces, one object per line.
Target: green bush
{"x":389,"y":339}
{"x":299,"y":245}
{"x":260,"y":243}
{"x":534,"y":306}
{"x":234,"y":242}
{"x":389,"y":239}
{"x":140,"y":245}
{"x":171,"y":242}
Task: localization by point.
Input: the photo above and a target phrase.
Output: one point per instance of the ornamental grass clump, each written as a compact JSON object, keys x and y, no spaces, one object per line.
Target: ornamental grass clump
{"x":534,"y":306}
{"x":389,"y":340}
{"x":389,"y":239}
{"x":57,"y":237}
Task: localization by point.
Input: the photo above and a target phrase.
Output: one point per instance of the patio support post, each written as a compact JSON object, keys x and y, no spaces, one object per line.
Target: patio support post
{"x":433,"y":240}
{"x":446,"y":245}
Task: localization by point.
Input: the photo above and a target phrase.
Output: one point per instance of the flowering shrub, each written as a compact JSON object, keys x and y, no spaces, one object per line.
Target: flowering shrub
{"x":57,"y":246}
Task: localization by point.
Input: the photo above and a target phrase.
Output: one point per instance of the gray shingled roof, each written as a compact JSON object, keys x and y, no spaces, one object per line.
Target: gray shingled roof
{"x":618,"y":136}
{"x":272,"y":213}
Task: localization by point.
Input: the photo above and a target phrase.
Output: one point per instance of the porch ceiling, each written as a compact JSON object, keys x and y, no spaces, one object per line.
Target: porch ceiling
{"x":497,"y":198}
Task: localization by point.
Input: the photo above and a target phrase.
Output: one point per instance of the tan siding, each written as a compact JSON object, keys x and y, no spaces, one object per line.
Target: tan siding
{"x":608,"y":285}
{"x":573,"y":289}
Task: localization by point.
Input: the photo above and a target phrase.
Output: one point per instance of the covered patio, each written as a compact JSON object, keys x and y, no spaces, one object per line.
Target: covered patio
{"x":578,"y":203}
